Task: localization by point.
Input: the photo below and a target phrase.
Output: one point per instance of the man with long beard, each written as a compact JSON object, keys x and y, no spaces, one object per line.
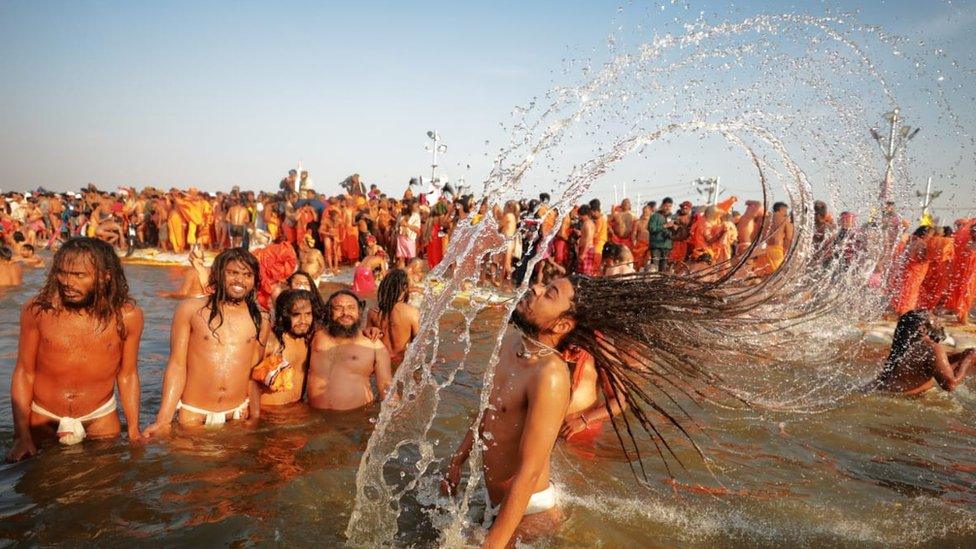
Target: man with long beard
{"x":61,"y":386}
{"x":344,"y":360}
{"x":215,"y":342}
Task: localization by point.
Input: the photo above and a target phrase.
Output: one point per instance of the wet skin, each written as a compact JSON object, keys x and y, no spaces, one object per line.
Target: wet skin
{"x":52,"y":371}
{"x":209,"y":366}
{"x":340,"y":368}
{"x":295,"y":352}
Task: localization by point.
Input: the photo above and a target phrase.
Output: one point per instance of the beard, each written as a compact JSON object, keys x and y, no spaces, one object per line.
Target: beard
{"x":84,"y":303}
{"x":343,"y":331}
{"x":519,"y":320}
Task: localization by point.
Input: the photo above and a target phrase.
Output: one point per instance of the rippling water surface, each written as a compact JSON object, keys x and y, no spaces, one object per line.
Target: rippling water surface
{"x":871,"y":470}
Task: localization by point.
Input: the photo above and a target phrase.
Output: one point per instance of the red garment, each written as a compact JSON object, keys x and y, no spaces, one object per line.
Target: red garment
{"x":363,"y":281}
{"x":560,"y":250}
{"x":587,"y":263}
{"x":277,"y":262}
{"x":350,"y":244}
{"x":935,"y":288}
{"x":912,"y":276}
{"x":962,"y":280}
{"x":306,"y":215}
{"x":577,"y":356}
{"x":435,"y":248}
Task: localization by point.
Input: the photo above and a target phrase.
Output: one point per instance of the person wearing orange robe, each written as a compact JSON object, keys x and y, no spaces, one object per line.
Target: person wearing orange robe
{"x":176,"y":224}
{"x":601,"y":234}
{"x":642,"y":237}
{"x":707,"y":233}
{"x":192,"y":212}
{"x":962,"y":281}
{"x":916,"y":264}
{"x":935,"y":287}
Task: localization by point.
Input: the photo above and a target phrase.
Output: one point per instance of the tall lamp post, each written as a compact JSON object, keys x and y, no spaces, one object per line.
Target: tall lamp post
{"x":434,"y":147}
{"x":898,"y":138}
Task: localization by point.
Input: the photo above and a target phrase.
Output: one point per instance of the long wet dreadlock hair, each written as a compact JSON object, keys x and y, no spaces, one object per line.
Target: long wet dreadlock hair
{"x":906,"y":337}
{"x":219,"y":295}
{"x":394,"y":288}
{"x":111,"y":290}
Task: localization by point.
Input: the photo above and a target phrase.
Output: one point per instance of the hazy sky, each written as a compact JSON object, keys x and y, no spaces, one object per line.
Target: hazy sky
{"x":214,"y":94}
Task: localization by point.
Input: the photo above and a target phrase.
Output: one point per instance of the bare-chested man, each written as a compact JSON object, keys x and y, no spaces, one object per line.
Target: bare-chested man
{"x":238,"y":219}
{"x":394,"y":316}
{"x":586,"y":251}
{"x":28,"y":256}
{"x":60,"y":387}
{"x":780,"y":236}
{"x":917,"y":362}
{"x":529,"y":398}
{"x":287,"y":349}
{"x":215,"y":342}
{"x":310,"y":259}
{"x":11,"y":272}
{"x":622,"y":225}
{"x":344,"y":360}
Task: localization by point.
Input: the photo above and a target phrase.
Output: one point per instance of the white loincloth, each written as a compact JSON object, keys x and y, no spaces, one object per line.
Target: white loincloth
{"x":71,"y":429}
{"x":216,"y":418}
{"x":538,"y":503}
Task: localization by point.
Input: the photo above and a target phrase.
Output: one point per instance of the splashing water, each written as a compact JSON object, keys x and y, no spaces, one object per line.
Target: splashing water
{"x":803,"y":90}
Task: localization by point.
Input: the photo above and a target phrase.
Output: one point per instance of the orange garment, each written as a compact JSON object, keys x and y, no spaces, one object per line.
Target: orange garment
{"x":203,"y":232}
{"x":679,"y":251}
{"x":935,"y":287}
{"x":602,"y":234}
{"x":548,"y":216}
{"x":177,"y":231}
{"x":962,"y":280}
{"x":639,"y":252}
{"x":276,"y":263}
{"x":726,"y":205}
{"x":350,"y":244}
{"x":768,"y":262}
{"x":193,"y":212}
{"x":705,"y":238}
{"x":912,"y":276}
{"x":578,"y":356}
{"x":306,"y":215}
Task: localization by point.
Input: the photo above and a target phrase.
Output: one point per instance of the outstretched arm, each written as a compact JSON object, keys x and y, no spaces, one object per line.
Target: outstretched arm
{"x":945,"y":375}
{"x":548,"y":400}
{"x":128,"y":376}
{"x":22,"y":385}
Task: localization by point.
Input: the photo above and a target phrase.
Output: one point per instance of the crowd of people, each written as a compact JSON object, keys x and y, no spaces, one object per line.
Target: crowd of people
{"x":254,"y":332}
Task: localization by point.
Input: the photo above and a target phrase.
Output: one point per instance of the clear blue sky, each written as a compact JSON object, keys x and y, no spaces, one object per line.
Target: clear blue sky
{"x":214,"y":94}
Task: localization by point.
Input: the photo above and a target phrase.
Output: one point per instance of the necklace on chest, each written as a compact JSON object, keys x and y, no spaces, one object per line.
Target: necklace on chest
{"x":530,"y":348}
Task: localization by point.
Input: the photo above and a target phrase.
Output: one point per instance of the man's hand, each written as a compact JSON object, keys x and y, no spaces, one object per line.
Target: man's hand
{"x":23,"y":448}
{"x":157,"y":429}
{"x":572,"y":426}
{"x":373,"y":333}
{"x":134,"y":434}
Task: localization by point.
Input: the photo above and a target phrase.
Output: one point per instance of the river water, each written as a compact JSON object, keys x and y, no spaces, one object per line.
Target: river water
{"x":870,"y":470}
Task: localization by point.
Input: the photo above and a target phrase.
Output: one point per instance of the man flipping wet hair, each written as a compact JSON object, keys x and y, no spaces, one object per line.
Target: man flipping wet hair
{"x":216,"y":340}
{"x":79,"y":338}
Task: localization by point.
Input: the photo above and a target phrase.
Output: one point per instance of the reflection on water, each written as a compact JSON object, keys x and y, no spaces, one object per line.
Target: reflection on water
{"x":873,"y":469}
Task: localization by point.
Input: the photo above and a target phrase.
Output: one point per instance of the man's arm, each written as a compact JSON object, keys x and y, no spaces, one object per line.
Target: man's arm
{"x":548,"y":399}
{"x":174,"y":380}
{"x":22,"y":384}
{"x":254,"y":390}
{"x":381,"y":365}
{"x":945,"y":376}
{"x":453,"y":475}
{"x":128,"y":376}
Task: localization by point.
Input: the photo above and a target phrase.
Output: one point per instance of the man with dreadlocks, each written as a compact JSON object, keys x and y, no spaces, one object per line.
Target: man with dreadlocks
{"x":215,"y":342}
{"x":394,"y":316}
{"x":343,"y":360}
{"x":281,"y":374}
{"x":59,"y":388}
{"x":917,"y":362}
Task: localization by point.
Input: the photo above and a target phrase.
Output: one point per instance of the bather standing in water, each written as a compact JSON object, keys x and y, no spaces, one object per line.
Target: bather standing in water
{"x":530,"y":395}
{"x":344,"y":361}
{"x":215,"y":342}
{"x":58,"y":388}
{"x":394,"y":316}
{"x":11,"y":272}
{"x":917,"y":363}
{"x":286,"y":354}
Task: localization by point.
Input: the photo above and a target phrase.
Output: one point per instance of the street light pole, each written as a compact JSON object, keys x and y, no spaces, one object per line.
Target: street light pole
{"x":434,"y":148}
{"x":928,"y":197}
{"x":897,"y":140}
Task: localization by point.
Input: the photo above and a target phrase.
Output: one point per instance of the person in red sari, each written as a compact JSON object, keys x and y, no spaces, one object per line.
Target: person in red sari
{"x":962,"y":280}
{"x":935,"y":287}
{"x":914,"y":268}
{"x":435,"y":247}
